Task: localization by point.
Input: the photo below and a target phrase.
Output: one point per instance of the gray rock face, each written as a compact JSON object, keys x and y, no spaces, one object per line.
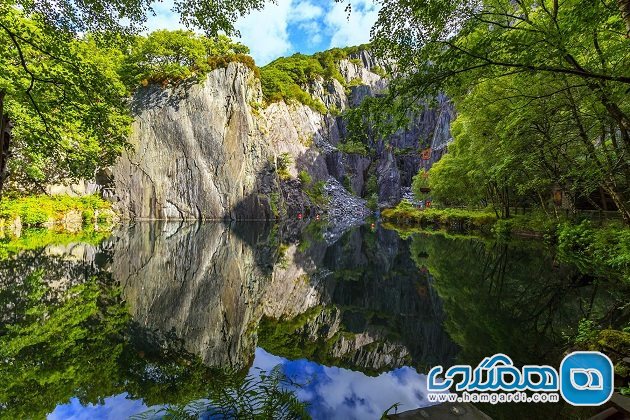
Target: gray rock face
{"x":208,"y":150}
{"x":198,"y":152}
{"x":388,"y":181}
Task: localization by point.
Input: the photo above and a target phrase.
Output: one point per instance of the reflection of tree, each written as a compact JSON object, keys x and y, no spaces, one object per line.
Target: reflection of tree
{"x":505,"y":297}
{"x":57,"y":348}
{"x":511,"y":298}
{"x":66,"y":333}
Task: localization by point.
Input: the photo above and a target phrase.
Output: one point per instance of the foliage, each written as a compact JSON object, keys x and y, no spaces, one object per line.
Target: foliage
{"x":57,"y":348}
{"x":406,"y":213}
{"x":288,"y":78}
{"x":600,"y":251}
{"x":540,"y":89}
{"x":128,"y":16}
{"x":283,"y":162}
{"x":379,"y":70}
{"x":587,"y":332}
{"x":317,"y":194}
{"x":262,"y":396}
{"x":35,"y":211}
{"x":60,"y":84}
{"x":353,"y":146}
{"x":305,"y":178}
{"x":170,"y":56}
{"x":64,"y":99}
{"x":372,"y":202}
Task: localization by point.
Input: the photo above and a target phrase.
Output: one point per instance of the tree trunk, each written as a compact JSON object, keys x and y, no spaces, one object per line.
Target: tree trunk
{"x":5,"y":142}
{"x":624,"y":8}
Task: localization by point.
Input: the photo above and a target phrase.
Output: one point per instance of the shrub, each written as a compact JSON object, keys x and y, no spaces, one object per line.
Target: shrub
{"x":317,"y":194}
{"x":222,"y":61}
{"x":604,"y":251}
{"x":305,"y":178}
{"x":35,"y":211}
{"x":406,"y":213}
{"x":372,"y":202}
{"x":284,"y":161}
{"x":355,"y":147}
{"x":379,"y":71}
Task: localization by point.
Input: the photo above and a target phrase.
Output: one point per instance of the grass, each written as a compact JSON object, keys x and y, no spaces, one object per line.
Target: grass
{"x":40,"y":210}
{"x":406,"y":214}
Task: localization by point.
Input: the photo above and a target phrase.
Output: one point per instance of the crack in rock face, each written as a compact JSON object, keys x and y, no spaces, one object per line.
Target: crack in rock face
{"x":209,"y":151}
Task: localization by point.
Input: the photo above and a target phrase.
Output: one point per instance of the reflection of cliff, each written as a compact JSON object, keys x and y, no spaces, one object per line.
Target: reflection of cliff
{"x":360,"y":302}
{"x":201,"y":282}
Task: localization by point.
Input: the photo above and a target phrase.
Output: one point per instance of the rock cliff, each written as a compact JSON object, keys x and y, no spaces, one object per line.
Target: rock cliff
{"x":210,"y":150}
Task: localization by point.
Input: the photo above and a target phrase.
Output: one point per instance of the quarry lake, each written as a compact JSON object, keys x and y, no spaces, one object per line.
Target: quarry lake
{"x":251,"y":318}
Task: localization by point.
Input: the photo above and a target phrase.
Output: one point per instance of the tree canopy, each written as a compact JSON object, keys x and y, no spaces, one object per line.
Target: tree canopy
{"x":541,"y":90}
{"x":66,"y":69}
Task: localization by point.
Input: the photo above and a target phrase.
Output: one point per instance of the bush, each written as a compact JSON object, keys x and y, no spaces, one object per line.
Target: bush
{"x":406,"y":213}
{"x":222,"y":61}
{"x":317,"y":194}
{"x":305,"y":178}
{"x":283,"y":162}
{"x":599,"y":251}
{"x":35,"y":211}
{"x":372,"y":202}
{"x":354,"y":147}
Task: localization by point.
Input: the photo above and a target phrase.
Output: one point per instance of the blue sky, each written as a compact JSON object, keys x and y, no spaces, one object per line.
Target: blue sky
{"x":291,"y":26}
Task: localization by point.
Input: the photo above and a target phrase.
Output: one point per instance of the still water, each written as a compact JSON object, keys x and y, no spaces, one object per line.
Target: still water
{"x":184,"y":316}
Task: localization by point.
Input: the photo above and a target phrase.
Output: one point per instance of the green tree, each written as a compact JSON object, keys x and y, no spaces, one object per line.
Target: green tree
{"x":562,"y":65}
{"x":64,"y":100}
{"x":173,"y":55}
{"x":60,"y":94}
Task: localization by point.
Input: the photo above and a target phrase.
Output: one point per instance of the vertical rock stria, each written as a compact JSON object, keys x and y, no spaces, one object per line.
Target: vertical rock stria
{"x":209,"y":151}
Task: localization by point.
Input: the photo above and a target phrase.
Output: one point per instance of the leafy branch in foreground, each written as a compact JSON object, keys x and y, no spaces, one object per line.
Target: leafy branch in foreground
{"x":541,"y":88}
{"x":260,"y":396}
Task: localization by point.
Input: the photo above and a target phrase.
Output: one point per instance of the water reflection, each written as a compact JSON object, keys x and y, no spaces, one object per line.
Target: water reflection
{"x":165,"y":314}
{"x":338,"y":393}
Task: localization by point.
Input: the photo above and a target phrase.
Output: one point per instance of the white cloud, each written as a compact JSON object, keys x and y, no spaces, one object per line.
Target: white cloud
{"x":355,"y":29}
{"x":265,"y":31}
{"x":164,"y":17}
{"x":313,"y":29}
{"x":304,"y":10}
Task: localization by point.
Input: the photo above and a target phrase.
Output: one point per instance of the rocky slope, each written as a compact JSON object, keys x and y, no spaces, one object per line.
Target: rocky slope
{"x":210,"y":150}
